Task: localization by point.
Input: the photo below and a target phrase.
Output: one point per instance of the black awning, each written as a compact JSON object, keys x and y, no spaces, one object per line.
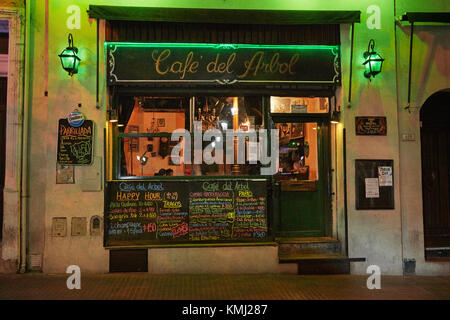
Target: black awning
{"x":426,"y":17}
{"x":187,"y":15}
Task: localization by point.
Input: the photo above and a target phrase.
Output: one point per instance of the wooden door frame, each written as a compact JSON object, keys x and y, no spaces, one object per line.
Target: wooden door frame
{"x":324,"y":120}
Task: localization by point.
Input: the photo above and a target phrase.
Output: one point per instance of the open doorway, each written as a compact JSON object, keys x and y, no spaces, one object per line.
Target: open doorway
{"x":435,"y":140}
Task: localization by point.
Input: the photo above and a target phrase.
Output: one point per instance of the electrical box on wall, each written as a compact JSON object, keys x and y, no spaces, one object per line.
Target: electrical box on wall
{"x":59,"y":227}
{"x":79,"y":226}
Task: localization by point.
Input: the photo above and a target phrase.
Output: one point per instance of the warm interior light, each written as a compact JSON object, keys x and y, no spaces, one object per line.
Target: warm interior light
{"x":224,"y":125}
{"x":113,"y":118}
{"x":335,"y":117}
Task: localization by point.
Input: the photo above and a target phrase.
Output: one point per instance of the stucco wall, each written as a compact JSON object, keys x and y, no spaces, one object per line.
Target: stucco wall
{"x":376,"y":235}
{"x":430,"y":73}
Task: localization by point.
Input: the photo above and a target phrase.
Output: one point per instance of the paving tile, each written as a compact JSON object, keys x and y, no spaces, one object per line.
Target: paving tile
{"x":137,"y":286}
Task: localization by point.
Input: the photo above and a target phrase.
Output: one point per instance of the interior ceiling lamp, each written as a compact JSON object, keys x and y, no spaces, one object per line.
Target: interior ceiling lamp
{"x":113,"y":116}
{"x":373,"y":61}
{"x":336,"y":117}
{"x":69,"y":59}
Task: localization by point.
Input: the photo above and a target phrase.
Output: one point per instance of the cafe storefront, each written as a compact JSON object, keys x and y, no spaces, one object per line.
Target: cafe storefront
{"x":226,"y":137}
{"x":220,"y":139}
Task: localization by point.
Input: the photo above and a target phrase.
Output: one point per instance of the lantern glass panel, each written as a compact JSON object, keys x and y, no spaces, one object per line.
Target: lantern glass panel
{"x":376,"y":62}
{"x":68,"y":59}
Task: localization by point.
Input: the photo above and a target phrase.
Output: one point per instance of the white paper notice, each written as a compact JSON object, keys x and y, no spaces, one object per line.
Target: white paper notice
{"x":372,"y":188}
{"x":385,"y":176}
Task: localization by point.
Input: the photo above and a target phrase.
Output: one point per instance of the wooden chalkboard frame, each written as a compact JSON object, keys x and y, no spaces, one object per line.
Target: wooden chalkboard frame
{"x":158,"y":242}
{"x":369,"y":169}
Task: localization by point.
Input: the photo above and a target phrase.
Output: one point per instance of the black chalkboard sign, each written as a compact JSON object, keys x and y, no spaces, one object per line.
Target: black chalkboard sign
{"x":147,"y":212}
{"x":374,"y":181}
{"x":75,"y":143}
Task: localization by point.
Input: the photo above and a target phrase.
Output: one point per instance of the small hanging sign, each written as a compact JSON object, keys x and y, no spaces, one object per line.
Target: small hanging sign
{"x":371,"y":126}
{"x":76,"y":118}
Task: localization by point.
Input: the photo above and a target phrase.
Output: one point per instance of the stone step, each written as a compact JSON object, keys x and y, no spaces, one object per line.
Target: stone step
{"x":320,"y":263}
{"x":302,"y":246}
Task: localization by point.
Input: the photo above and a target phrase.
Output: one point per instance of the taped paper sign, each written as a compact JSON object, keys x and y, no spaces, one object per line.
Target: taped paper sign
{"x":385,"y":176}
{"x":372,"y":188}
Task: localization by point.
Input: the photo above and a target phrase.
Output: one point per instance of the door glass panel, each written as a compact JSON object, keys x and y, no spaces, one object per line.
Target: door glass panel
{"x":298,"y":151}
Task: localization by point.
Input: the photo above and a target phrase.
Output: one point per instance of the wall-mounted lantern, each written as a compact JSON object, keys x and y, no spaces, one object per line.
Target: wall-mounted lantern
{"x":373,"y":61}
{"x":69,"y":59}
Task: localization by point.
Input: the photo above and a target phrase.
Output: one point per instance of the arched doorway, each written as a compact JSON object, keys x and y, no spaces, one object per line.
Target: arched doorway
{"x":435,"y":140}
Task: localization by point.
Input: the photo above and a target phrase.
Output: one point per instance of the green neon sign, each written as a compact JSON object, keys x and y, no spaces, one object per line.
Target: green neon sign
{"x":227,"y":64}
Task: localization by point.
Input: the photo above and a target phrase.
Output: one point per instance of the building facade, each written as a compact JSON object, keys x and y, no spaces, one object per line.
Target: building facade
{"x":362,"y":158}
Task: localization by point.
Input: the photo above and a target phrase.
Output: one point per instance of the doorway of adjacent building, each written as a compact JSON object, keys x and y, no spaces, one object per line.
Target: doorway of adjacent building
{"x":303,"y":177}
{"x":4,"y":50}
{"x":3,"y":92}
{"x":435,"y":140}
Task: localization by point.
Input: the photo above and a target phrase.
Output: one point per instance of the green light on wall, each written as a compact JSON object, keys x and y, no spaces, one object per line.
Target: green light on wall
{"x":373,"y":61}
{"x":69,"y":58}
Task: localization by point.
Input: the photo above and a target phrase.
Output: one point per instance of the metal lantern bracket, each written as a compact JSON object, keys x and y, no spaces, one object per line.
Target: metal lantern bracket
{"x":408,"y":106}
{"x":420,"y":17}
{"x":351,"y":67}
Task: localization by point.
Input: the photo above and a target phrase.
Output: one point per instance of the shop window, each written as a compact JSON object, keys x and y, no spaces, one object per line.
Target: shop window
{"x":146,"y":125}
{"x":299,"y":105}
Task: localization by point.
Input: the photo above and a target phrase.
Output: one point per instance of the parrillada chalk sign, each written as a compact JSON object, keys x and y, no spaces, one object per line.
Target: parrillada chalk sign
{"x":75,"y":143}
{"x":134,"y":63}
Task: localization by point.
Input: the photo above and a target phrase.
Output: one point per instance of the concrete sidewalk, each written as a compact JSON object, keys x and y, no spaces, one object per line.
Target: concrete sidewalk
{"x":221,"y":287}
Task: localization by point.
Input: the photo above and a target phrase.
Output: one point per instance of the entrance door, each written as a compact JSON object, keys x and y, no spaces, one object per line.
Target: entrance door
{"x":435,"y":139}
{"x":302,"y":178}
{"x":3,"y":92}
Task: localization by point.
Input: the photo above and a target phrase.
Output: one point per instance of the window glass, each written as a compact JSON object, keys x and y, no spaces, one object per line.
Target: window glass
{"x":146,"y":125}
{"x":299,"y":105}
{"x":153,"y":114}
{"x":149,"y":156}
{"x":298,"y":151}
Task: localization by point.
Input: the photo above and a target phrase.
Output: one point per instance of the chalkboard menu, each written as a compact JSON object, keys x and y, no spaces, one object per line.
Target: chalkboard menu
{"x":140,"y":212}
{"x":75,"y":143}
